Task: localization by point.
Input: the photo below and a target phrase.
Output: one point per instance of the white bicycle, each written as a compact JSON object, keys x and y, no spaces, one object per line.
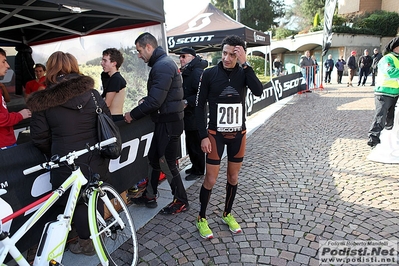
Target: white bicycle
{"x":107,"y":234}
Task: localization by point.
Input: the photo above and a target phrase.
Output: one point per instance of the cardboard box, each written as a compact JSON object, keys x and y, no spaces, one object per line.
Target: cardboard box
{"x":116,"y":204}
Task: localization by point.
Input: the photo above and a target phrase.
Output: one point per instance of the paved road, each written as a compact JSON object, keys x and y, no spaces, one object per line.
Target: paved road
{"x":305,"y":178}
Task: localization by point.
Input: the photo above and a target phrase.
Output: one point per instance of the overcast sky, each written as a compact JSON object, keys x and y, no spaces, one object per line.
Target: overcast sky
{"x":179,"y":11}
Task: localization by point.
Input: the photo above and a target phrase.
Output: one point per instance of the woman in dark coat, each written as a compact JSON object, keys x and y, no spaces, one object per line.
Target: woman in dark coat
{"x":64,"y":120}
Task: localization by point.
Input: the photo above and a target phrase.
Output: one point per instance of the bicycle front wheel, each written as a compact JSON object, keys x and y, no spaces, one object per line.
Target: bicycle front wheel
{"x":114,"y":232}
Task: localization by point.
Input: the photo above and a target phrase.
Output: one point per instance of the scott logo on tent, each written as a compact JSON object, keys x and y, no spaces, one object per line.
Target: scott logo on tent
{"x":258,"y":37}
{"x":189,"y":40}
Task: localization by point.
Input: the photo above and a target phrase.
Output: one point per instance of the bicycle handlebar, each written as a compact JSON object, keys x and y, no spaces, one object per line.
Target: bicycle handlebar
{"x":73,"y":154}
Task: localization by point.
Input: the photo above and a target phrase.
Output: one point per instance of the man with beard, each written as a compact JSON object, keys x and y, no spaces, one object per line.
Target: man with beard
{"x":224,"y":88}
{"x":164,"y":103}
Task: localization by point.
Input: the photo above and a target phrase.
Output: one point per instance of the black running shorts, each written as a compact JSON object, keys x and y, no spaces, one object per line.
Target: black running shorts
{"x":235,"y":142}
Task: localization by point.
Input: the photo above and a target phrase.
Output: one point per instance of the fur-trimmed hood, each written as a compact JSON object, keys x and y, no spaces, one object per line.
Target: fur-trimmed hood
{"x":62,"y":93}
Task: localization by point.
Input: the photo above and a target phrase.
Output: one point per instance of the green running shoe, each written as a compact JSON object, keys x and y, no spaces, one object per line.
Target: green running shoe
{"x":231,"y":222}
{"x":203,"y":228}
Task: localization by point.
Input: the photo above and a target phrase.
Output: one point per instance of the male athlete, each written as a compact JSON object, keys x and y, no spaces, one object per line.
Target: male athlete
{"x":224,"y":88}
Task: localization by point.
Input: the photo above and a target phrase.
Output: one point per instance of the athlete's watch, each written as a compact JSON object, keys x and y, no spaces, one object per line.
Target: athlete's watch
{"x":245,"y":64}
{"x":185,"y":101}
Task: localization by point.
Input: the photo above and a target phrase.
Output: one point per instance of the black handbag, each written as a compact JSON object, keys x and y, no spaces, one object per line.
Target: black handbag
{"x":107,"y":129}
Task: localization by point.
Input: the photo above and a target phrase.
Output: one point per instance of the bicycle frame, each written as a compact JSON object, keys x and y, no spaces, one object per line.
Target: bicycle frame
{"x":74,"y":182}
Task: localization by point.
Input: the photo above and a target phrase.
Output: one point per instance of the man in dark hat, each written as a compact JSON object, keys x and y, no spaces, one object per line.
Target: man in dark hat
{"x":192,"y":67}
{"x":386,"y":92}
{"x":186,"y":51}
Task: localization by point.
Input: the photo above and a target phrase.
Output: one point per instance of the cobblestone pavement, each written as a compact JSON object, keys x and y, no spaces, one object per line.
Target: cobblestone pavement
{"x":305,"y":178}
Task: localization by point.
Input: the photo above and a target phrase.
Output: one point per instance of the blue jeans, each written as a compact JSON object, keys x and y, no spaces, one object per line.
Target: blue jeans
{"x":308,"y":75}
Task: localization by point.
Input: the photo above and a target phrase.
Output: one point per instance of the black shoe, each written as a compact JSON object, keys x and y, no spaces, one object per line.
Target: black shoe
{"x":188,"y":171}
{"x":372,"y":84}
{"x":363,"y":84}
{"x":192,"y":177}
{"x":175,"y":207}
{"x":143,"y":200}
{"x":373,"y":141}
{"x":388,"y":127}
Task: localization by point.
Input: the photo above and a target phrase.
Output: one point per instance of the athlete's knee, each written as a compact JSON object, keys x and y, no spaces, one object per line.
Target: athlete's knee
{"x":209,"y":181}
{"x":232,"y":179}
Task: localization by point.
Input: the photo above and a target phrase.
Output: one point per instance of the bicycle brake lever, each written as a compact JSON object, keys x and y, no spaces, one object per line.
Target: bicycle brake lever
{"x":96,"y":177}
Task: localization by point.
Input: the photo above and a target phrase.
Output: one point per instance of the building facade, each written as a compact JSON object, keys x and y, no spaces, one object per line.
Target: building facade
{"x":361,"y":6}
{"x":291,"y":49}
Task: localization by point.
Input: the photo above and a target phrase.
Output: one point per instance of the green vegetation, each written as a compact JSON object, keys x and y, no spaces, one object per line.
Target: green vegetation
{"x":92,"y":71}
{"x":316,"y":20}
{"x":258,"y":14}
{"x":282,"y":33}
{"x":306,"y":11}
{"x":264,"y":79}
{"x":338,"y":20}
{"x":381,"y":23}
{"x":258,"y":64}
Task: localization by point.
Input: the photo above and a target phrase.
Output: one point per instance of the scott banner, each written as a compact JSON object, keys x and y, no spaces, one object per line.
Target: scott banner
{"x":275,"y":90}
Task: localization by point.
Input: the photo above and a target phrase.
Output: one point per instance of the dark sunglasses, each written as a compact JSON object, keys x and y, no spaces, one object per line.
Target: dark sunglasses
{"x":182,"y":56}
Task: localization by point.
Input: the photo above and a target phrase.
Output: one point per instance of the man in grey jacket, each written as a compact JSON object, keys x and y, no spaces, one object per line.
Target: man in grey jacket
{"x":307,"y":68}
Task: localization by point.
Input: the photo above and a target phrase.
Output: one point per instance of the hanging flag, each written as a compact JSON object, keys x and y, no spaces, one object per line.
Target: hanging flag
{"x":329,"y":9}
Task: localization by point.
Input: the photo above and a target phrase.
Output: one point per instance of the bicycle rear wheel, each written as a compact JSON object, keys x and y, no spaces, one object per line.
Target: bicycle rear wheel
{"x":112,"y":236}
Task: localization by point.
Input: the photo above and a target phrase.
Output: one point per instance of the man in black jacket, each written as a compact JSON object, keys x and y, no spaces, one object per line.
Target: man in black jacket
{"x":328,"y":68}
{"x":224,"y":88}
{"x":164,"y":103}
{"x":192,"y":67}
{"x":365,"y":62}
